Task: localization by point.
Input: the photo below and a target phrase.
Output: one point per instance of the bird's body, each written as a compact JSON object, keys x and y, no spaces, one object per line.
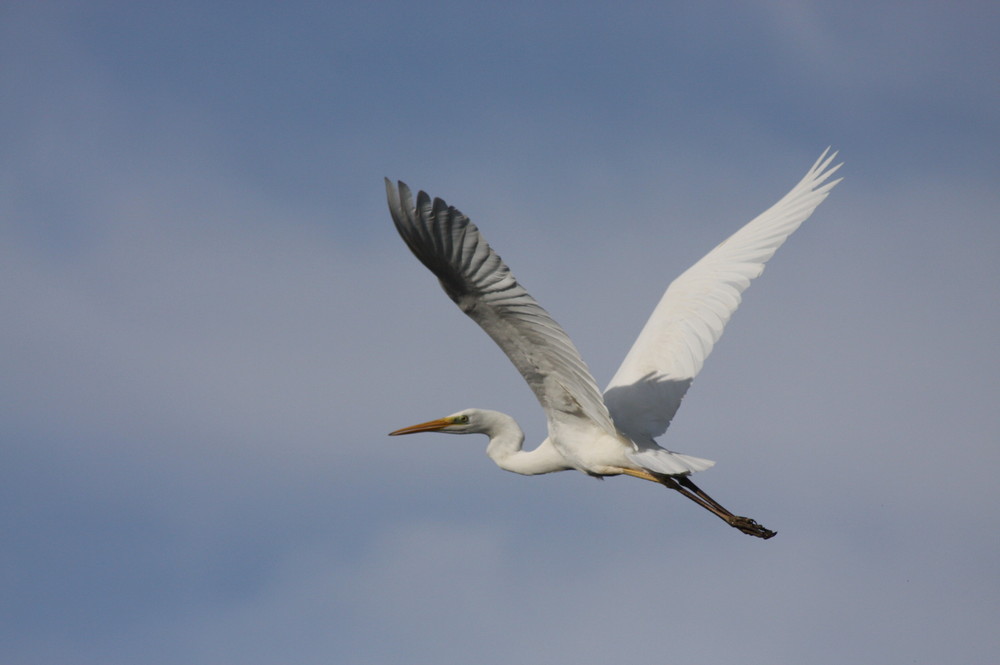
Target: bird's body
{"x":611,"y":433}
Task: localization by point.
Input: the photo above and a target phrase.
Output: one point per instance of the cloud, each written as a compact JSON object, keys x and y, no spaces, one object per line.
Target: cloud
{"x":209,"y":326}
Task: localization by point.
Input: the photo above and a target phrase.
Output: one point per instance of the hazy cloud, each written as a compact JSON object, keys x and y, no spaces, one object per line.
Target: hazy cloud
{"x":210,"y":325}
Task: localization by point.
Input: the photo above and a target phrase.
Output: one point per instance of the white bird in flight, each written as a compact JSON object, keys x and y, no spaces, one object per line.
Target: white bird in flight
{"x":610,"y":434}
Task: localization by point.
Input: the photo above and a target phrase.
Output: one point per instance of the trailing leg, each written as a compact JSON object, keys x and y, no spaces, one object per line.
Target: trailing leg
{"x":688,"y":489}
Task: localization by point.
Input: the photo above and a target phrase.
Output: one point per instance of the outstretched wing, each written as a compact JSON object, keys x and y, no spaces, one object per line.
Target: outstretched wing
{"x":479,"y":282}
{"x":646,"y":391}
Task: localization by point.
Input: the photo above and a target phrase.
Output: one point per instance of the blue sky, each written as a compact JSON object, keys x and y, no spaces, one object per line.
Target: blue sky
{"x":210,"y":325}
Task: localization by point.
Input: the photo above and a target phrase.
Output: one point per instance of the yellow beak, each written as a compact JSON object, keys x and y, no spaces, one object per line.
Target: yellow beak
{"x":429,"y":426}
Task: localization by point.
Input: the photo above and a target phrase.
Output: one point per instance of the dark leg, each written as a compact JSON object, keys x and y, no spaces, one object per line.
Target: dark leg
{"x":686,"y":487}
{"x":744,"y":524}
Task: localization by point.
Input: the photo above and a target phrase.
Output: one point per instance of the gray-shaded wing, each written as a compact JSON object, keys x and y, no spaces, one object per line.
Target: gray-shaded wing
{"x":479,"y":282}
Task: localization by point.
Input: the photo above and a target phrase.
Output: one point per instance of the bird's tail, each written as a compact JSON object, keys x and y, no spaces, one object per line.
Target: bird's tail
{"x":663,"y":461}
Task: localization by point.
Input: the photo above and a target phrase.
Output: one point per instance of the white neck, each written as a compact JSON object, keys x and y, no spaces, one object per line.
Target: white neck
{"x":506,"y":439}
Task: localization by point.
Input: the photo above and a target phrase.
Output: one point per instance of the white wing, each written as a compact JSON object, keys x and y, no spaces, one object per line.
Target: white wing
{"x":479,"y":282}
{"x":646,"y":391}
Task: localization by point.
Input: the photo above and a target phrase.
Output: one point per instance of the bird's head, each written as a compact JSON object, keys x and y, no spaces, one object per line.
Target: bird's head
{"x":469,"y":421}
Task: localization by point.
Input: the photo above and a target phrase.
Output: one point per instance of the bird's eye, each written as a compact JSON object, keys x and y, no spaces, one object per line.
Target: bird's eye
{"x":463,"y":419}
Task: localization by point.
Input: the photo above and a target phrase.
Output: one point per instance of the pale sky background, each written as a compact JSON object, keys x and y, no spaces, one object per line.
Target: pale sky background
{"x":210,"y":324}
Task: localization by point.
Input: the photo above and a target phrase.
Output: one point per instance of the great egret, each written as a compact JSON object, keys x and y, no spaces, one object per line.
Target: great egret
{"x":611,"y":434}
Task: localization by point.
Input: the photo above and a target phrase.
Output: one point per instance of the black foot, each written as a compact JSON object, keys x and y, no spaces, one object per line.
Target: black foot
{"x":750,"y":527}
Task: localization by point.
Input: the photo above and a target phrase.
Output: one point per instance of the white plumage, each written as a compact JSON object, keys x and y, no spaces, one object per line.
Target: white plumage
{"x":613,"y":433}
